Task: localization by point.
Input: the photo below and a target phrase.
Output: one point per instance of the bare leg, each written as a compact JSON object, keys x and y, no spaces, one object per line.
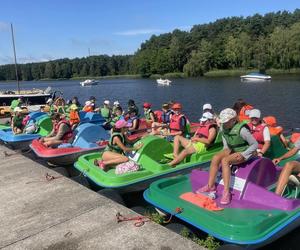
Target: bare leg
{"x":179,"y":140}
{"x":111,"y":158}
{"x":288,"y":169}
{"x":51,"y":143}
{"x":184,"y":153}
{"x":214,"y":166}
{"x":226,"y":162}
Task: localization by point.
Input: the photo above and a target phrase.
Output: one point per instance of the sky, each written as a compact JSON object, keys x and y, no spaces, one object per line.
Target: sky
{"x":52,"y":29}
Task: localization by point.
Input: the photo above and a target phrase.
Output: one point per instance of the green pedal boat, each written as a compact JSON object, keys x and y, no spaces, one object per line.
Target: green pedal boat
{"x":255,"y":217}
{"x":152,"y":161}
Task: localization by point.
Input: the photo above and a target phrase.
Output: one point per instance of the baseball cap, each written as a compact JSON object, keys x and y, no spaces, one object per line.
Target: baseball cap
{"x":207,"y":106}
{"x":254,"y":113}
{"x":206,"y":116}
{"x":17,"y":109}
{"x":226,"y":115}
{"x":116,"y":103}
{"x":107,"y":102}
{"x":73,"y":106}
{"x":147,"y":105}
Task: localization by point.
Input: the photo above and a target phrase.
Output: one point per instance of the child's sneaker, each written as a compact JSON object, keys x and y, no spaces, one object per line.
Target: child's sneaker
{"x":100,"y":164}
{"x":206,"y":190}
{"x":226,"y":198}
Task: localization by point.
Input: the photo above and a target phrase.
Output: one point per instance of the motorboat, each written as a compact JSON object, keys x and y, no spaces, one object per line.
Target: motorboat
{"x":163,"y":81}
{"x":30,"y":97}
{"x":89,"y":82}
{"x":255,"y":77}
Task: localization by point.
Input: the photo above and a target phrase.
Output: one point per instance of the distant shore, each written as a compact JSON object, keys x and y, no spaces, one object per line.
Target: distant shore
{"x":212,"y":73}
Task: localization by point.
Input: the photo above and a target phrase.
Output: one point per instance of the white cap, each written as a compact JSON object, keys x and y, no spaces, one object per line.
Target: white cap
{"x":88,"y":103}
{"x":226,"y":115}
{"x":107,"y":102}
{"x":50,"y":100}
{"x":116,"y":103}
{"x":206,"y":116}
{"x":207,"y":106}
{"x":17,"y":109}
{"x":254,"y":113}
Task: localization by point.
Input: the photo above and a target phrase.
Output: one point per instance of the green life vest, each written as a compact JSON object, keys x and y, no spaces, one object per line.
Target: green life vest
{"x":147,"y":114}
{"x":115,"y":148}
{"x":114,"y":120}
{"x":14,"y":104}
{"x":105,"y":112}
{"x":232,"y":136}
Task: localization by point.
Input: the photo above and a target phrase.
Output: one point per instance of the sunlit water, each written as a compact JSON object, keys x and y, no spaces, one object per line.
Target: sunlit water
{"x":279,"y":97}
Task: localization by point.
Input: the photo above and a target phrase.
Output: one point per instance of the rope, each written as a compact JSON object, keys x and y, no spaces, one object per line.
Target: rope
{"x":139,"y":220}
{"x":178,"y":210}
{"x":48,"y":178}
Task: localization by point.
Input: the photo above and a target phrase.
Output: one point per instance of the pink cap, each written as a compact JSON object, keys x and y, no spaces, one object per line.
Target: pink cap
{"x":121,"y":124}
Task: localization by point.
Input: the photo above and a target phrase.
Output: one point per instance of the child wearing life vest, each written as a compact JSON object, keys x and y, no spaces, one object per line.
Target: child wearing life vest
{"x":148,"y":113}
{"x":259,"y":131}
{"x":242,"y":109}
{"x":133,"y":121}
{"x":291,"y":167}
{"x":163,"y":120}
{"x":105,"y":111}
{"x":178,"y":123}
{"x":274,"y":129}
{"x":88,"y":107}
{"x":238,"y":146}
{"x":17,"y":121}
{"x":74,"y":116}
{"x":61,"y":132}
{"x":203,"y":138}
{"x":114,"y":153}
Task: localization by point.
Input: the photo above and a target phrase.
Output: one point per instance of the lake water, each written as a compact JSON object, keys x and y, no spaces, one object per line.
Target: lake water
{"x":279,"y":97}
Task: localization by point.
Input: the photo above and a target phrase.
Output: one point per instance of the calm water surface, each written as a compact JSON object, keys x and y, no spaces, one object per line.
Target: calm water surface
{"x":280,"y":97}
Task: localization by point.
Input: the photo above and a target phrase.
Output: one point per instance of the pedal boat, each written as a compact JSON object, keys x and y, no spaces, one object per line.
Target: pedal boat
{"x":89,"y":138}
{"x":150,"y":158}
{"x":255,"y":217}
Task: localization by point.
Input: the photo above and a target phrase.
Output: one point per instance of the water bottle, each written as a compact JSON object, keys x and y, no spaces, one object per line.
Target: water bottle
{"x":212,"y":195}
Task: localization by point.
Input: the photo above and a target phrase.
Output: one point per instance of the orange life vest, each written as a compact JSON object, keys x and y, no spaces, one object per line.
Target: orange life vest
{"x":242,"y":114}
{"x":74,"y":117}
{"x":88,"y":109}
{"x":203,"y":130}
{"x":272,"y":125}
{"x":158,"y":115}
{"x":295,"y":137}
{"x":258,"y":133}
{"x":175,"y":125}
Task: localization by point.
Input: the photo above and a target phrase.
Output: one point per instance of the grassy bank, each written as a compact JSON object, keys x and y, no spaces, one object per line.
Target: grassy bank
{"x":239,"y":72}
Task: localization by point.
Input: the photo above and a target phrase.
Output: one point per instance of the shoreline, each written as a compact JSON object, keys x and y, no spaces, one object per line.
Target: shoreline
{"x":210,"y":74}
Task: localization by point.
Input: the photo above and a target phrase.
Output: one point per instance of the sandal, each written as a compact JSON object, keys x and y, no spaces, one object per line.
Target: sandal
{"x":100,"y":164}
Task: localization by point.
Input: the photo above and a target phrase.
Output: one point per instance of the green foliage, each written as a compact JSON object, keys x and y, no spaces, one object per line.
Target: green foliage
{"x":264,"y":42}
{"x":155,"y":217}
{"x":209,"y":242}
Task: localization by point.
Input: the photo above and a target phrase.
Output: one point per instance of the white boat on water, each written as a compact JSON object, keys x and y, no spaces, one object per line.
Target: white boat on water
{"x":163,"y":81}
{"x":255,"y":77}
{"x":89,"y":82}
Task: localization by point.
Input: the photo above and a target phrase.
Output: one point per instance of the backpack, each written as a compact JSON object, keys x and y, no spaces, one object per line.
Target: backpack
{"x":126,"y":167}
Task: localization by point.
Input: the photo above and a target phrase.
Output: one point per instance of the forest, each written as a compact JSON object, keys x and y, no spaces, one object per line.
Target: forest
{"x":262,"y":42}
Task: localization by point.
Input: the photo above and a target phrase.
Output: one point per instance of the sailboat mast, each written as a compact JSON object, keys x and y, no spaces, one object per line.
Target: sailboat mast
{"x":16,"y":68}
